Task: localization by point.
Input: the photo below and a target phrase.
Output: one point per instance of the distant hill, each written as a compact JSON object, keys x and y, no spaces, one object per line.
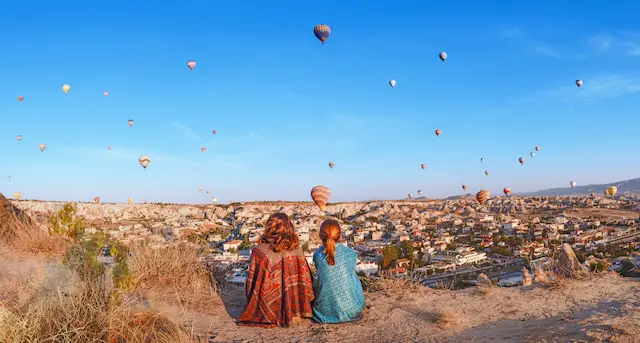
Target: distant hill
{"x":628,"y":186}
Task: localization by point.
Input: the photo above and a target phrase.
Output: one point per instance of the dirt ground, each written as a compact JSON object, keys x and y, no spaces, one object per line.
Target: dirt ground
{"x":603,"y":309}
{"x":602,"y":212}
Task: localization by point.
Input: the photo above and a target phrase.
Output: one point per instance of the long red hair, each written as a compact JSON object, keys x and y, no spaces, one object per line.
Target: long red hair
{"x":330,"y":234}
{"x":279,"y":233}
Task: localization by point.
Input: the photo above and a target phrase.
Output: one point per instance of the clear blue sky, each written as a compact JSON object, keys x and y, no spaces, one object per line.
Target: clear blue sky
{"x":284,"y":105}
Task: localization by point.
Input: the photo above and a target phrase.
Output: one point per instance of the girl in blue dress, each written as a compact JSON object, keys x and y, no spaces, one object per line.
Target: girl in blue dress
{"x":338,"y":294}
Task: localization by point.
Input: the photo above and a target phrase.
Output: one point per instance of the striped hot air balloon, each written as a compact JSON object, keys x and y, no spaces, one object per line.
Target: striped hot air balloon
{"x":322,"y":32}
{"x":320,"y":195}
{"x":507,"y":191}
{"x":482,"y":196}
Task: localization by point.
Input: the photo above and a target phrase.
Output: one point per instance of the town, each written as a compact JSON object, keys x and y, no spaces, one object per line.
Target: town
{"x":438,"y":243}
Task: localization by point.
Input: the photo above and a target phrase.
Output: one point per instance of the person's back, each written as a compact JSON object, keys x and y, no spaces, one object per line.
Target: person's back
{"x":279,"y":285}
{"x":338,"y":293}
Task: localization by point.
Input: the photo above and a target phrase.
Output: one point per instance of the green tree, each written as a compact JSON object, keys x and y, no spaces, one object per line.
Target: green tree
{"x":390,"y":255}
{"x":67,"y":223}
{"x":245,"y":243}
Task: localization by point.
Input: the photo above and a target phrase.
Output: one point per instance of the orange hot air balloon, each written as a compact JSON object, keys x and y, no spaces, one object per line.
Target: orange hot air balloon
{"x":423,"y":166}
{"x":482,"y":196}
{"x":438,"y":132}
{"x":191,"y":64}
{"x":105,"y":93}
{"x":464,"y":187}
{"x":204,"y":149}
{"x":486,"y":172}
{"x":215,"y":132}
{"x":109,"y":147}
{"x":507,"y":191}
{"x":20,"y":98}
{"x":521,"y":160}
{"x":320,"y":195}
{"x":537,"y":148}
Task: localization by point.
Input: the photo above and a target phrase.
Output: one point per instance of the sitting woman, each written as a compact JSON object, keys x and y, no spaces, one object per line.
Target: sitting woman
{"x":279,"y":285}
{"x":339,"y":296}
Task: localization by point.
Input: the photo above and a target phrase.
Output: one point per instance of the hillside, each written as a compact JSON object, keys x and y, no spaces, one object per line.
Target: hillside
{"x":628,"y":186}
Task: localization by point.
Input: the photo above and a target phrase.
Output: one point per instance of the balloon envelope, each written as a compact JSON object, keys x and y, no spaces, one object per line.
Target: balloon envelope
{"x":20,"y":98}
{"x":16,"y":195}
{"x":392,"y":83}
{"x":572,"y":184}
{"x":579,"y":83}
{"x":322,"y":32}
{"x":66,"y":88}
{"x":612,"y":190}
{"x":19,"y":138}
{"x":42,"y":146}
{"x":423,"y":166}
{"x":130,"y":122}
{"x":144,"y":161}
{"x":320,"y":195}
{"x":438,"y":132}
{"x":443,"y":56}
{"x":482,"y":196}
{"x":191,"y":64}
{"x":331,"y":165}
{"x":507,"y":191}
{"x":521,"y":160}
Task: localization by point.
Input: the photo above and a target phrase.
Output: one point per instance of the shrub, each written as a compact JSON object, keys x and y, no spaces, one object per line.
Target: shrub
{"x":67,"y":223}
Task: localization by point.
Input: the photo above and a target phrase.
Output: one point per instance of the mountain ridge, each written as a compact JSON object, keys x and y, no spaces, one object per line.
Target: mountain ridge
{"x":624,"y":187}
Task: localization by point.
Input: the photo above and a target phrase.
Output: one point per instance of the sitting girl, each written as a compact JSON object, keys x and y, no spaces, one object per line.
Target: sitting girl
{"x":338,"y":295}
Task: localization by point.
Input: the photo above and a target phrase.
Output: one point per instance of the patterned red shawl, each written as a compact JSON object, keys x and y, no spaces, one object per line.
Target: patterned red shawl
{"x":279,"y":287}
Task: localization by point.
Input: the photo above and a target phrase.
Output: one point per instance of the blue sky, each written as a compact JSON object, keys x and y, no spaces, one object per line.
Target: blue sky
{"x":284,"y":105}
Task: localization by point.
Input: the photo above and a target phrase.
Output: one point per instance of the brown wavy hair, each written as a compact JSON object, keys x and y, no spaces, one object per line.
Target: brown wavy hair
{"x":330,"y":234}
{"x":279,"y":233}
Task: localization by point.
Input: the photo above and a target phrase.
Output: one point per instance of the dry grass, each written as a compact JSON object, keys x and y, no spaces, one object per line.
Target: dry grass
{"x":482,"y":290}
{"x":86,"y":315}
{"x":19,"y":282}
{"x":384,"y":283}
{"x":446,"y":319}
{"x":173,"y":274}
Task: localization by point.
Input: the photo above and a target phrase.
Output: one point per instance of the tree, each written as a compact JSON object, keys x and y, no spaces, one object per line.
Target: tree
{"x":67,"y":223}
{"x":390,"y":255}
{"x":245,"y":243}
{"x":305,"y":246}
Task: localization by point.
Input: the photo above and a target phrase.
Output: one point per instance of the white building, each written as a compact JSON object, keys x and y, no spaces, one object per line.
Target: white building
{"x":367,"y":268}
{"x":235,"y":244}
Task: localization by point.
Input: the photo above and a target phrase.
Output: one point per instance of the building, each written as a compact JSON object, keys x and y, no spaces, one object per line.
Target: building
{"x":235,"y":244}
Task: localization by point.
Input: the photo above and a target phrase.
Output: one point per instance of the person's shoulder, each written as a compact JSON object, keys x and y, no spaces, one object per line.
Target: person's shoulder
{"x":262,"y":248}
{"x":319,"y":251}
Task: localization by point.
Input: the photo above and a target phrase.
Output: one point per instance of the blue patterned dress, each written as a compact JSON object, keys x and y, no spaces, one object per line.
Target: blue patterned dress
{"x":338,"y":294}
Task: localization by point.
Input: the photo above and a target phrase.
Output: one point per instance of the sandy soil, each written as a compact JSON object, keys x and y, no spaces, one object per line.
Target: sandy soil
{"x":603,"y":212}
{"x":605,"y":308}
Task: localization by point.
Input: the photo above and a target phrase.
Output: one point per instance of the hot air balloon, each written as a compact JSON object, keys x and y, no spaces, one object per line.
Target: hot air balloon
{"x":486,"y":172}
{"x":20,"y":98}
{"x":464,"y":187}
{"x":215,"y":132}
{"x":204,"y":149}
{"x":109,"y":147}
{"x":532,"y":154}
{"x":392,"y":83}
{"x":331,"y":164}
{"x":16,"y":195}
{"x":214,"y":200}
{"x":19,"y":138}
{"x":130,"y":122}
{"x":322,"y":32}
{"x":144,"y":161}
{"x":579,"y":83}
{"x":191,"y":64}
{"x":129,"y":201}
{"x":572,"y":184}
{"x":9,"y":178}
{"x":199,"y":188}
{"x":521,"y":160}
{"x":443,"y":56}
{"x":482,"y":196}
{"x":320,"y":195}
{"x":105,"y":93}
{"x":423,"y":166}
{"x":96,"y":200}
{"x":419,"y":191}
{"x":208,"y":191}
{"x":537,"y":148}
{"x":612,"y":190}
{"x":507,"y":191}
{"x":66,"y":88}
{"x":409,"y":196}
{"x":482,"y":159}
{"x":42,"y":147}
{"x":438,"y":132}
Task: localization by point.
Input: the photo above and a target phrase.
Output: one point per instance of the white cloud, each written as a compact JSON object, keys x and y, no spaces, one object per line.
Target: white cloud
{"x":597,"y":88}
{"x":187,"y":131}
{"x":519,"y":36}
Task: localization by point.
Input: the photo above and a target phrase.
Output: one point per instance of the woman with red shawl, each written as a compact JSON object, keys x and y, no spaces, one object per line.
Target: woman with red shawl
{"x":279,"y":285}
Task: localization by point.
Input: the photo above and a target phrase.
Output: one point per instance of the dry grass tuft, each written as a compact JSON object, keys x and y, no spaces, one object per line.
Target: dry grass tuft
{"x":377,"y":284}
{"x":446,"y":319}
{"x":86,"y":315}
{"x":173,"y":274}
{"x":482,"y":290}
{"x":19,"y":282}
